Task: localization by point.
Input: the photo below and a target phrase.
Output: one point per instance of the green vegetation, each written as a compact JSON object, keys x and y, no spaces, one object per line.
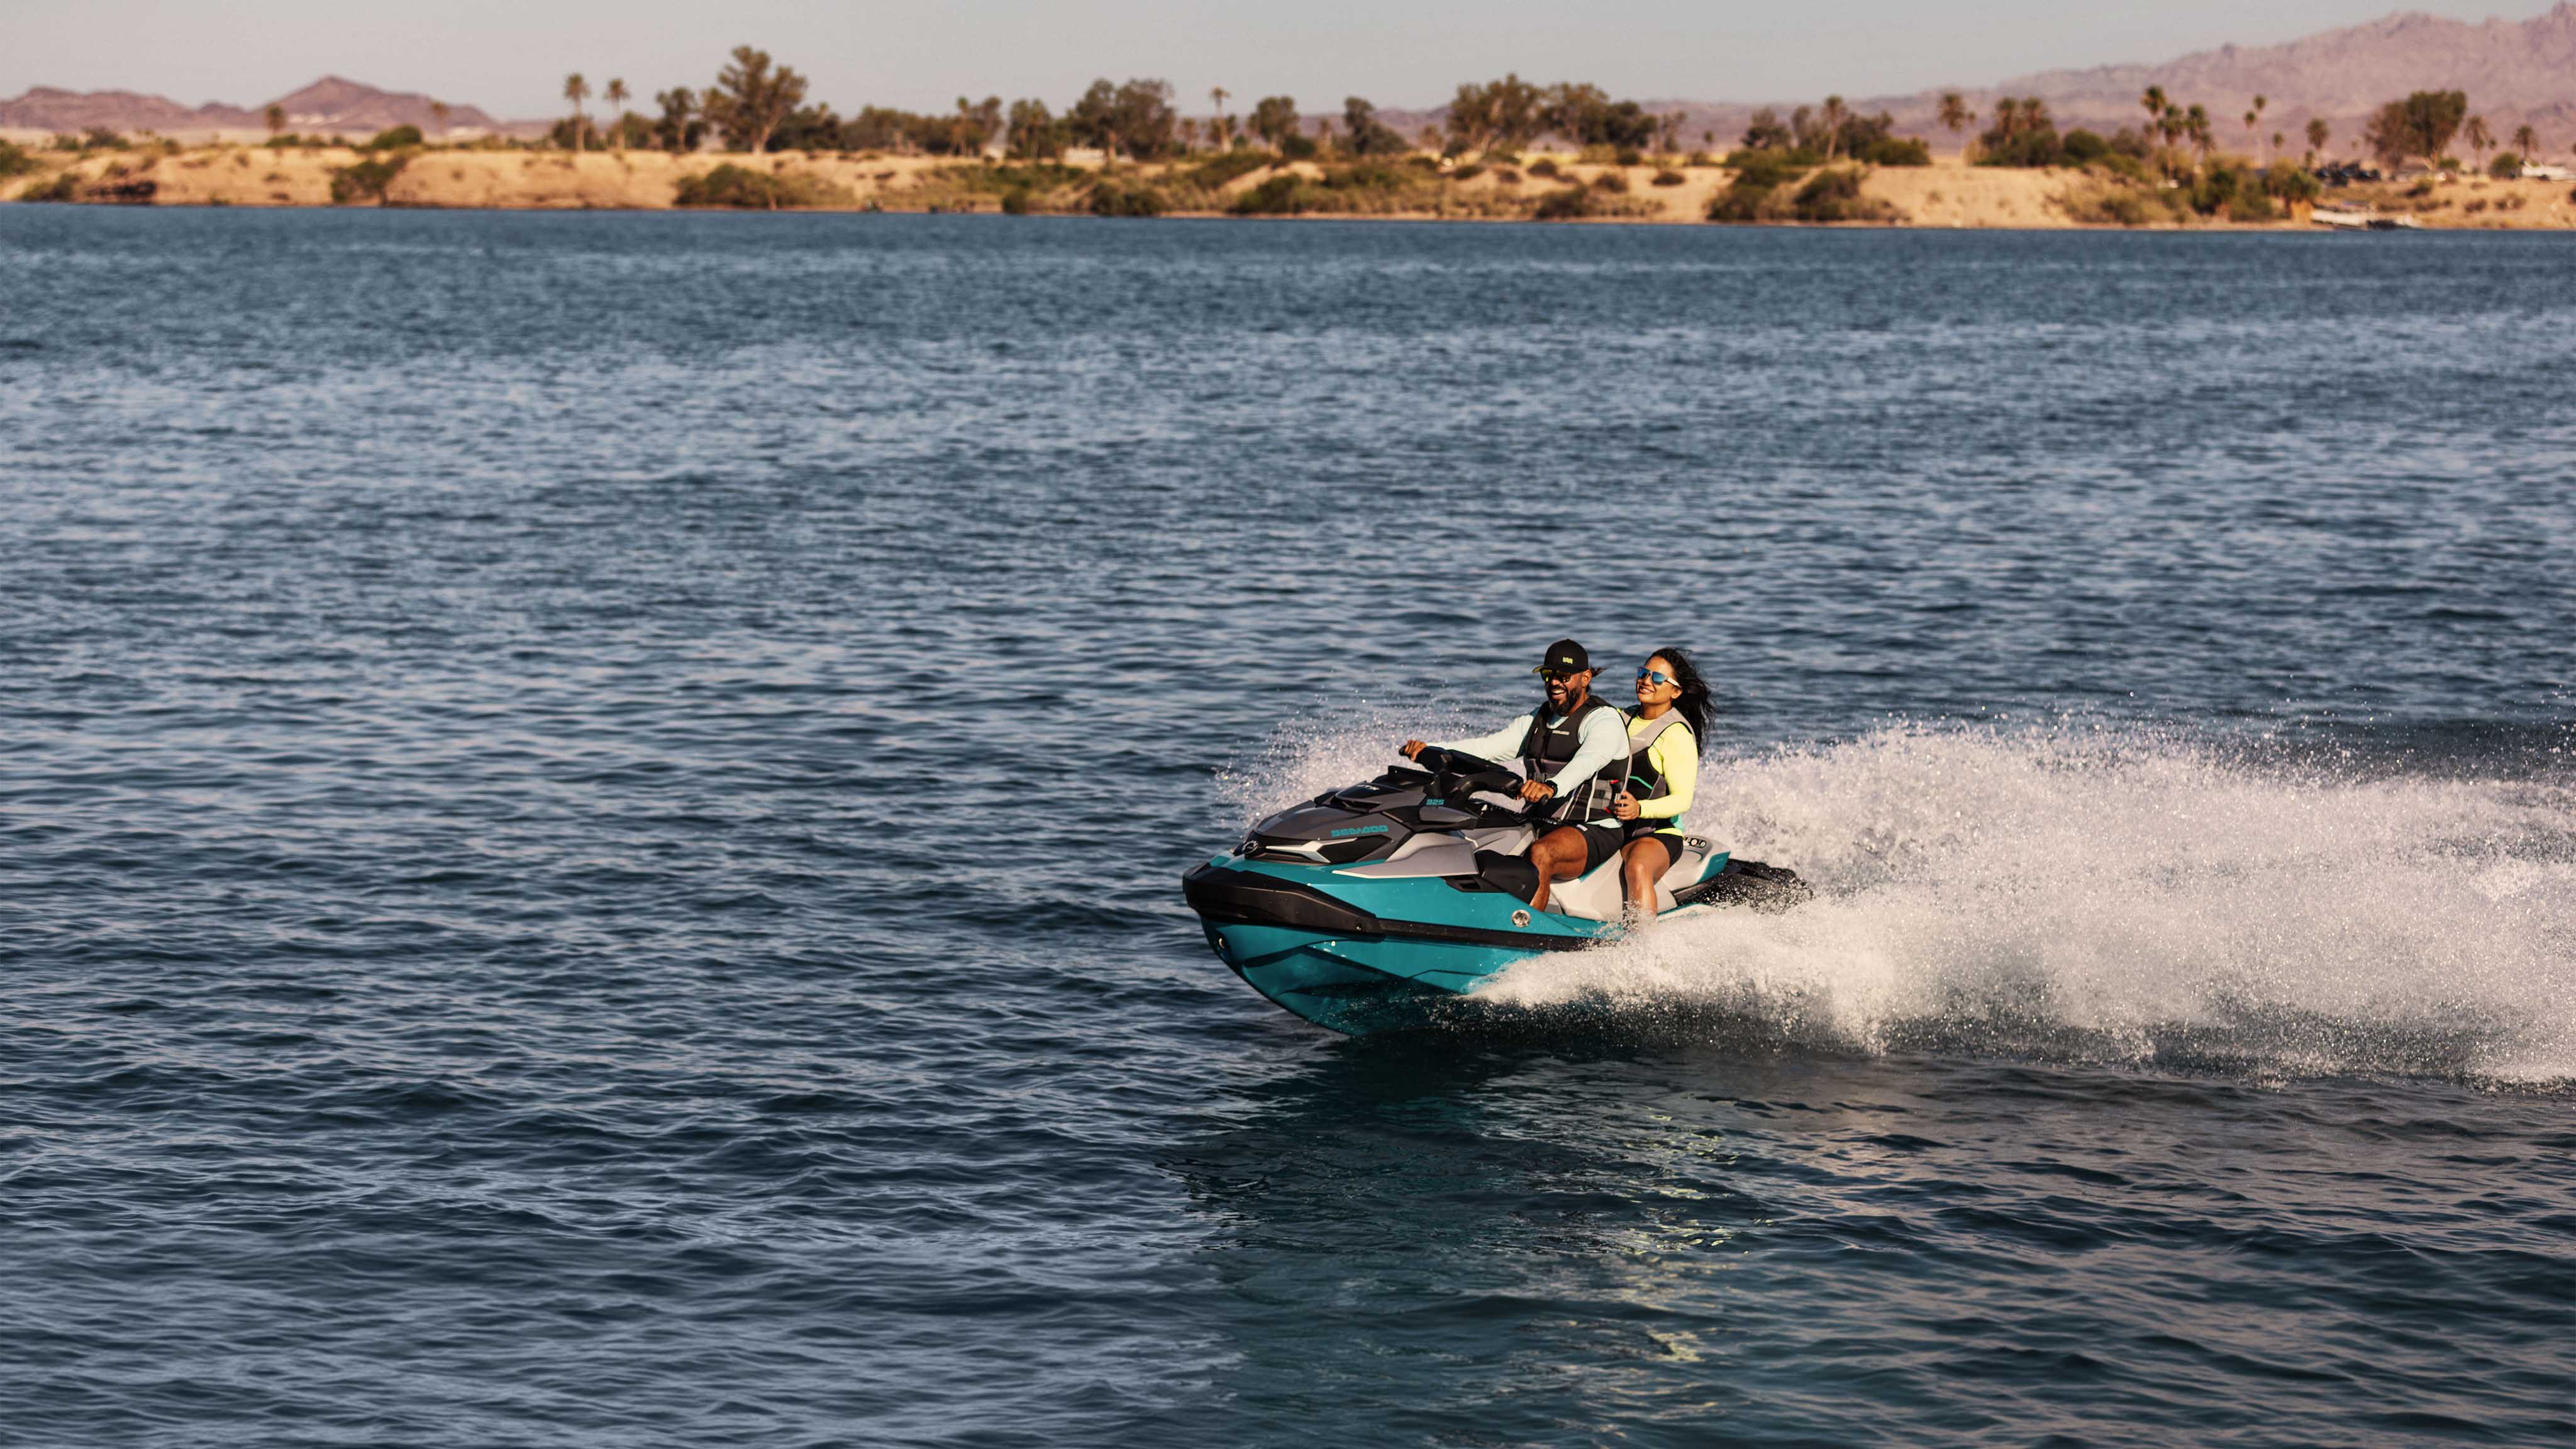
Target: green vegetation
{"x":367,"y":180}
{"x":2506,"y":167}
{"x":1566,"y":203}
{"x":65,"y":187}
{"x":740,"y":187}
{"x":2420,"y":125}
{"x":14,"y":161}
{"x":1110,"y":197}
{"x":1834,"y":195}
{"x":394,"y":138}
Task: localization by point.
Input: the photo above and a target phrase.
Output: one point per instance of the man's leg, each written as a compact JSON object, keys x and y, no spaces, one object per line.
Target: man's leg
{"x":1559,"y":855}
{"x":1646,"y":861}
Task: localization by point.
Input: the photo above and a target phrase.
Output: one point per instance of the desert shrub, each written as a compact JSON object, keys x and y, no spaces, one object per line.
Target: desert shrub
{"x":742,"y":188}
{"x":1566,"y":203}
{"x":1365,"y":176}
{"x":2421,"y":188}
{"x":1669,"y":177}
{"x":1296,"y":147}
{"x":65,"y":187}
{"x":1611,"y":181}
{"x":2474,"y":207}
{"x":2112,"y":207}
{"x":2510,"y":203}
{"x":1795,"y":158}
{"x":1501,"y":158}
{"x":1220,"y":170}
{"x":393,"y":137}
{"x":1835,"y":196}
{"x":2506,"y":167}
{"x":1746,"y":198}
{"x":1278,"y":196}
{"x":1544,"y":166}
{"x":1468,"y":172}
{"x":2121,"y":163}
{"x":100,"y":138}
{"x":1015,"y":202}
{"x":1031,"y":176}
{"x":2216,"y":187}
{"x":1112,"y":198}
{"x":2291,"y":183}
{"x":2083,"y":148}
{"x":367,"y":180}
{"x":1506,"y":176}
{"x":285,"y":142}
{"x":1896,"y":151}
{"x":2252,"y":206}
{"x":14,"y":161}
{"x":2027,"y":149}
{"x":1628,"y":156}
{"x":1699,"y":158}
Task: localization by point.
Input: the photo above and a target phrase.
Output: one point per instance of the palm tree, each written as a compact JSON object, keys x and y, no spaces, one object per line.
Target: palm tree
{"x":2252,"y":119}
{"x":1835,"y":115}
{"x":1220,"y":128}
{"x":438,"y":114}
{"x":275,"y":115}
{"x":615,"y":95}
{"x":2318,"y":131}
{"x":1955,"y":116}
{"x":2196,"y":124}
{"x":576,"y":90}
{"x":2526,"y":143}
{"x":2480,"y":139}
{"x":2156,"y":105}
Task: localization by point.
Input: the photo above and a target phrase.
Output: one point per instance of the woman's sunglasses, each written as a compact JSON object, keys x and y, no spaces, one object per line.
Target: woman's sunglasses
{"x":1657,"y":676}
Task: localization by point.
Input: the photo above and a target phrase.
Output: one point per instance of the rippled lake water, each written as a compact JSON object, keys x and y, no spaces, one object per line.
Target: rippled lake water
{"x":591,"y":811}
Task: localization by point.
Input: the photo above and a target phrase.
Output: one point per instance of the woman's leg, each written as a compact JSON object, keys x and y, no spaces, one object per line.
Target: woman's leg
{"x":1646,"y":860}
{"x":1559,"y":855}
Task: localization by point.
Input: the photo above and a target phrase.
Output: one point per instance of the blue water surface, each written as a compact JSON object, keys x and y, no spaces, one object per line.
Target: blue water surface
{"x":591,"y":810}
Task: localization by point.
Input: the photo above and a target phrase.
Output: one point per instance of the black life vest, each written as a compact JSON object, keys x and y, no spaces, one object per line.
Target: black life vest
{"x":1548,"y":747}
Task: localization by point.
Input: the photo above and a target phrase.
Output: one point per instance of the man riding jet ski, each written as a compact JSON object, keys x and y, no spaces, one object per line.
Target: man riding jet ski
{"x":1575,"y":754}
{"x":1372,"y":905}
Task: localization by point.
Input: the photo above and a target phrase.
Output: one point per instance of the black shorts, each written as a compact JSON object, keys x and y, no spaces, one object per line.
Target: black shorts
{"x":1602,"y":841}
{"x":1664,"y":835}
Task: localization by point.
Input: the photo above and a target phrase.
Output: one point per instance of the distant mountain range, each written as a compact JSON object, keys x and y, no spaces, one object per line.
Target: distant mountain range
{"x":2515,"y":72}
{"x":329,"y":105}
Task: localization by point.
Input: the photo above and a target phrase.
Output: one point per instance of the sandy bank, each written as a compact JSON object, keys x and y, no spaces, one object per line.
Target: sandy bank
{"x":1945,"y":194}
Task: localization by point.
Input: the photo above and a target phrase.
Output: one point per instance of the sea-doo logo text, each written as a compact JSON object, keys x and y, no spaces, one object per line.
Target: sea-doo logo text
{"x":1360,"y":830}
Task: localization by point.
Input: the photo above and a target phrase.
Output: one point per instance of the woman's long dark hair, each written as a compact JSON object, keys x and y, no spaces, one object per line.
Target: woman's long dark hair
{"x":1694,"y":701}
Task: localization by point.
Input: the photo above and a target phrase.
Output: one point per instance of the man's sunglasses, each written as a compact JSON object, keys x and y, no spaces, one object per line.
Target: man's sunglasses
{"x":1658,"y":676}
{"x":1554,"y":676}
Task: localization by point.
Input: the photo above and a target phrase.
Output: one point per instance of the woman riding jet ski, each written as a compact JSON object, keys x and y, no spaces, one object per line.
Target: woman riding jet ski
{"x":1371,"y":905}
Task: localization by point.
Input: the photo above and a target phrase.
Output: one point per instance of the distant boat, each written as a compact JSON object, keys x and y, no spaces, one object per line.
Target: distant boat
{"x":2355,"y":218}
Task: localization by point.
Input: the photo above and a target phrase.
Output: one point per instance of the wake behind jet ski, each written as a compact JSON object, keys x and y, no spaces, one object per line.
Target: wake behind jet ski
{"x":1370,"y":905}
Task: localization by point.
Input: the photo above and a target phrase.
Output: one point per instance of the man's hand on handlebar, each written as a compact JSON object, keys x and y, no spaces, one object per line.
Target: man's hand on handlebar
{"x":1534,"y":791}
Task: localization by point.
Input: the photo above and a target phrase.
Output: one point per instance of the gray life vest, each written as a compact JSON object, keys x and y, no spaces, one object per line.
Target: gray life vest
{"x":1643,"y":780}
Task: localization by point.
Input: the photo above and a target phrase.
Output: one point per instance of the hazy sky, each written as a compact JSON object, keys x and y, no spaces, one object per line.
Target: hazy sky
{"x":510,"y":56}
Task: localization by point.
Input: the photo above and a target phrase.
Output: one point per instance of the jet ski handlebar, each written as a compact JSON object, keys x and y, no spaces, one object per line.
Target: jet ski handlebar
{"x":1456,"y":775}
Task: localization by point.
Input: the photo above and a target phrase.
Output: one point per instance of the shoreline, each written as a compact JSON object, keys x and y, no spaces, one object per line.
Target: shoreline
{"x":1946,"y":195}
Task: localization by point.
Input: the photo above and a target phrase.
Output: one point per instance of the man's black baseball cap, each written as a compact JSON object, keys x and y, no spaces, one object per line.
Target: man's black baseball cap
{"x":1563,"y":657}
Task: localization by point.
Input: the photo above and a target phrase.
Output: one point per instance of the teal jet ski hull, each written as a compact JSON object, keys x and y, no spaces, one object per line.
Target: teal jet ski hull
{"x":1360,"y":954}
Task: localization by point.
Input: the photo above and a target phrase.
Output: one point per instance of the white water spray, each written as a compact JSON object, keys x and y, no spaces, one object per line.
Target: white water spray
{"x":2101,"y":892}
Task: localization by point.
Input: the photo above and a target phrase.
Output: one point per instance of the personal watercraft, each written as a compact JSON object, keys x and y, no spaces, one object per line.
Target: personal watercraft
{"x":1371,"y":906}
